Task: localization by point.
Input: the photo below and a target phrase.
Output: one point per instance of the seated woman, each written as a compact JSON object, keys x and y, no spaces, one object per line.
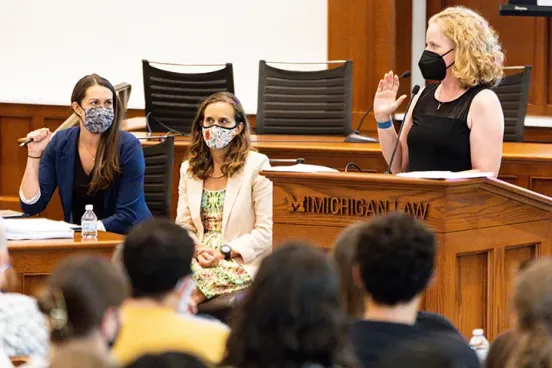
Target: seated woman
{"x":224,"y":203}
{"x":458,"y":124}
{"x":81,"y":301}
{"x":94,"y":163}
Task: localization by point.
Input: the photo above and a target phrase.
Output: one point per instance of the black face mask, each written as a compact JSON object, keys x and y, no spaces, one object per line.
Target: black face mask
{"x":432,"y":65}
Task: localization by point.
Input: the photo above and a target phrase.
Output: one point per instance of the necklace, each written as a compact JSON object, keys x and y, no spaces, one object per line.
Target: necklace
{"x":88,"y":151}
{"x":440,"y":103}
{"x":217,"y":177}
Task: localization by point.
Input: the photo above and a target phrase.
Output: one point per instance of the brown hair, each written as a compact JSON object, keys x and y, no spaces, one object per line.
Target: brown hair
{"x":343,"y":256}
{"x":533,"y":306}
{"x":199,"y":156}
{"x":78,"y":294}
{"x":106,"y":166}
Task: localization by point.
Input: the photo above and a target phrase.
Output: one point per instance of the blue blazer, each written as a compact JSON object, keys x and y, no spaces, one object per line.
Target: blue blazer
{"x":124,"y":201}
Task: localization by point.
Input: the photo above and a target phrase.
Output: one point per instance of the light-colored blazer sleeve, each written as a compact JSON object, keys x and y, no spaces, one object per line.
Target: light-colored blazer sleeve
{"x":259,"y":241}
{"x":183,"y":215}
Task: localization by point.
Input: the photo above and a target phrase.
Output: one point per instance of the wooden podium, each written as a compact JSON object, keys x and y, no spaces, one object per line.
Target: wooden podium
{"x":486,"y":228}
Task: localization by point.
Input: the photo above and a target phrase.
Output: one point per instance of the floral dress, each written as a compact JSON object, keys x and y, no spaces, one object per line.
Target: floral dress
{"x":227,"y":276}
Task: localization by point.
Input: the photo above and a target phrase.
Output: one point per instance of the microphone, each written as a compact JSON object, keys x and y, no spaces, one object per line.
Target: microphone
{"x":355,"y":136}
{"x":415,"y":91}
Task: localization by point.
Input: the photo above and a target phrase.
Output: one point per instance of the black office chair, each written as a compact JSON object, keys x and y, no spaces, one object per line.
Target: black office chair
{"x":513,"y":93}
{"x":305,"y":102}
{"x":172,"y":98}
{"x":158,"y":177}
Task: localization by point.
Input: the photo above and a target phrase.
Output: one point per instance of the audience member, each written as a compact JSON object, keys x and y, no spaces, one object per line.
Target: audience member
{"x":501,"y":350}
{"x":396,"y":259}
{"x":23,"y":329}
{"x":423,"y":353}
{"x":168,"y":360}
{"x":81,"y":301}
{"x":157,"y":257}
{"x":223,"y":201}
{"x":291,"y":315}
{"x":80,"y":357}
{"x":532,"y":301}
{"x":352,"y":294}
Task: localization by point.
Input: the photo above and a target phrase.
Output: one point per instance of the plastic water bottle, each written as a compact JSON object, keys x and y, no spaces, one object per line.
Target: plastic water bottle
{"x":89,"y":223}
{"x":479,"y":344}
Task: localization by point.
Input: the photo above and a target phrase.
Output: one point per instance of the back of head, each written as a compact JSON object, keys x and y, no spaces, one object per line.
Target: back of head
{"x":157,"y":254}
{"x":78,"y":294}
{"x":396,"y":258}
{"x":167,"y":360}
{"x":343,"y":257}
{"x":291,"y":314}
{"x":533,"y":307}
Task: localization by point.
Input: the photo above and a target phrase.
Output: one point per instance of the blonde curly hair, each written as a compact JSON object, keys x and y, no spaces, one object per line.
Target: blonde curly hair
{"x":479,"y":58}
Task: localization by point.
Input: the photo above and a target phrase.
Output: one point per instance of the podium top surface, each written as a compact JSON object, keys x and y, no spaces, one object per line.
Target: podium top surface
{"x":525,"y":10}
{"x":105,"y":240}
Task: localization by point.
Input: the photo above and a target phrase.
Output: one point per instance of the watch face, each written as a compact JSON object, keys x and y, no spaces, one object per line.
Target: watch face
{"x":225,"y":249}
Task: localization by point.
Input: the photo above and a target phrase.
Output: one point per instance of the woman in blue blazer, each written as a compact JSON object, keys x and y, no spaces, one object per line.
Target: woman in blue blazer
{"x":93,"y":163}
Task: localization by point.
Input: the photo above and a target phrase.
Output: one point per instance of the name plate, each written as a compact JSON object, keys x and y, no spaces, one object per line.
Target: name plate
{"x":345,"y":206}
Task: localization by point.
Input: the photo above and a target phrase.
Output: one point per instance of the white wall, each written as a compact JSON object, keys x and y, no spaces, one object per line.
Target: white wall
{"x":47,"y":45}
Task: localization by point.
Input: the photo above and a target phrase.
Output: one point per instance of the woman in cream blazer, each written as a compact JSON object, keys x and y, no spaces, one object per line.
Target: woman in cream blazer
{"x":224,"y":203}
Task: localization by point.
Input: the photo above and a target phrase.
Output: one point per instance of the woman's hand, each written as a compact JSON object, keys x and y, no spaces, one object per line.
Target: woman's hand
{"x":41,"y":138}
{"x":385,"y":100}
{"x":209,"y":257}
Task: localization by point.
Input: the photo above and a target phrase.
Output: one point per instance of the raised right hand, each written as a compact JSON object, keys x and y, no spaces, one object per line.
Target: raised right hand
{"x":385,"y":100}
{"x":41,"y":138}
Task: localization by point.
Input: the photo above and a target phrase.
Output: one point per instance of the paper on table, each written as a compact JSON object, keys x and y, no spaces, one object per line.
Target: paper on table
{"x":445,"y":175}
{"x":37,"y":228}
{"x":305,"y":168}
{"x":10,"y":214}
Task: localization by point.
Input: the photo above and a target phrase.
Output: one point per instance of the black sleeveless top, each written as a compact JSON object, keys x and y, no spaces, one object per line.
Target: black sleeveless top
{"x":81,"y":197}
{"x":439,"y":139}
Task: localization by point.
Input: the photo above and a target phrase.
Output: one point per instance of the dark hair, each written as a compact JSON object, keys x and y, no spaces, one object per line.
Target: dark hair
{"x":167,"y":360}
{"x":396,"y":257}
{"x":533,"y":307}
{"x":427,"y":352}
{"x":199,"y":155}
{"x":106,"y":167}
{"x":291,"y":314}
{"x":78,"y":294}
{"x":501,"y":350}
{"x":343,"y":256}
{"x":156,"y":255}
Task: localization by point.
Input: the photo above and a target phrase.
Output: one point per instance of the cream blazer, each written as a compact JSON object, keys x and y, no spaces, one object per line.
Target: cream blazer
{"x":247,"y":214}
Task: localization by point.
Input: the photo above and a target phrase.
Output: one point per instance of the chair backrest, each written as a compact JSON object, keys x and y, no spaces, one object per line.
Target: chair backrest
{"x":513,"y":93}
{"x":158,"y":177}
{"x":172,"y":98}
{"x":305,"y":102}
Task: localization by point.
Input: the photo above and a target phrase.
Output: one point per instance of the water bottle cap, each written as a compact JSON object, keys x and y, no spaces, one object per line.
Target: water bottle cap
{"x":478,"y":332}
{"x":89,"y":207}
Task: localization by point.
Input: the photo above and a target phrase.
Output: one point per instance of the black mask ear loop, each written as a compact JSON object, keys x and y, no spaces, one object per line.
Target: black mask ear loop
{"x":446,"y":53}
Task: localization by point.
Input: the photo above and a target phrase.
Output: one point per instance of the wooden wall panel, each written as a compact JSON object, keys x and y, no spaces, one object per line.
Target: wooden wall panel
{"x":472,"y":291}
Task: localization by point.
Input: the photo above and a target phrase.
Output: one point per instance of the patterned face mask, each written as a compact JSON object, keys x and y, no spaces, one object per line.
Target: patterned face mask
{"x":98,"y":119}
{"x":216,"y":137}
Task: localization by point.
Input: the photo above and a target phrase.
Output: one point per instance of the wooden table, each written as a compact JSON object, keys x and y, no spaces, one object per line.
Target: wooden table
{"x":528,"y":165}
{"x":35,"y":260}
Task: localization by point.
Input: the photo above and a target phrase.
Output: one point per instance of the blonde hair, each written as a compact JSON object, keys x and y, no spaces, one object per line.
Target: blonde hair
{"x":479,"y":59}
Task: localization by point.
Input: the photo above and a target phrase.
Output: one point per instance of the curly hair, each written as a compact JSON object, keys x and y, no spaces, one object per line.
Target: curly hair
{"x":291,"y":315}
{"x":199,"y":155}
{"x":479,"y":59}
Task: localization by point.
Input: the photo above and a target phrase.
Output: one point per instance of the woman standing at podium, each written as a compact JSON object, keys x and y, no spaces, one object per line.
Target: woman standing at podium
{"x":92,"y":163}
{"x":224,"y":202}
{"x":458,"y":124}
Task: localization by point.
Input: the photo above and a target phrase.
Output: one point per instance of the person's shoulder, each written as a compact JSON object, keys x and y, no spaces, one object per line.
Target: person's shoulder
{"x":21,"y":303}
{"x":127,"y":139}
{"x":206,"y":325}
{"x":256,"y":161}
{"x":485,"y":97}
{"x":434,"y":322}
